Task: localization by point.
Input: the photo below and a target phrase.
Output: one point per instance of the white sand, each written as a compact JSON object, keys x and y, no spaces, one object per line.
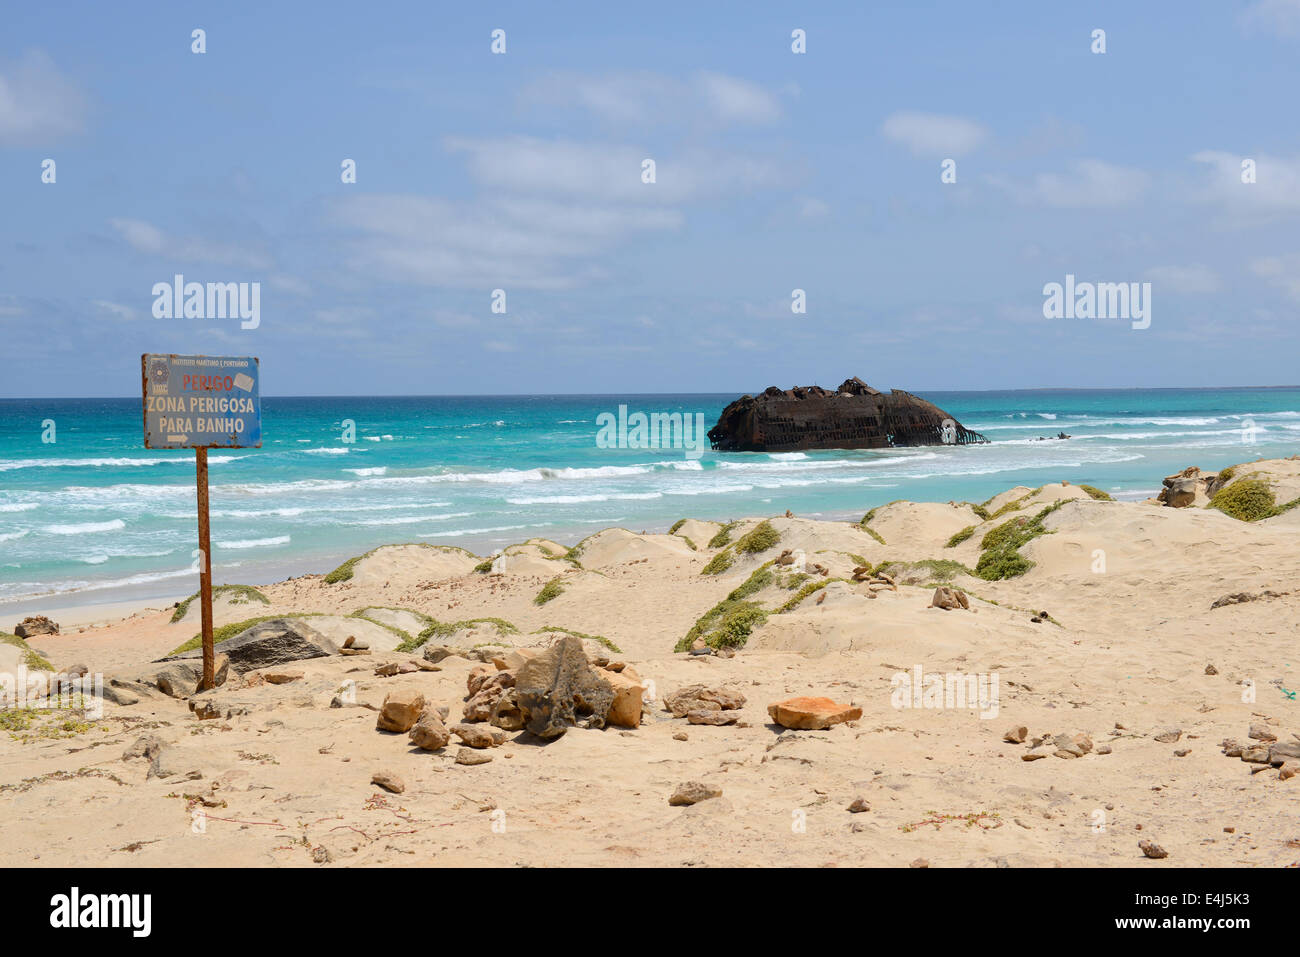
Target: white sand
{"x":1129,"y":587}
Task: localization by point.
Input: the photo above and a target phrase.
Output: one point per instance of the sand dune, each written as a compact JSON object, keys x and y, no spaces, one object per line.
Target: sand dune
{"x":1111,"y":633}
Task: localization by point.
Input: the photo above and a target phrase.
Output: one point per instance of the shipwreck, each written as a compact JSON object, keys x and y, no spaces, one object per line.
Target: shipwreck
{"x":854,"y":416}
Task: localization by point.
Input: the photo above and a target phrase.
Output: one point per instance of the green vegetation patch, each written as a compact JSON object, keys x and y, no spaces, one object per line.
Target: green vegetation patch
{"x":1097,"y":493}
{"x":934,"y":569}
{"x":676,"y":525}
{"x":239,"y":595}
{"x":758,"y":539}
{"x":599,"y":639}
{"x":730,"y":621}
{"x":32,"y":659}
{"x":719,"y":563}
{"x":723,"y":537}
{"x":961,"y":536}
{"x":1000,"y":548}
{"x":1248,"y":500}
{"x":551,"y":590}
{"x":443,"y":630}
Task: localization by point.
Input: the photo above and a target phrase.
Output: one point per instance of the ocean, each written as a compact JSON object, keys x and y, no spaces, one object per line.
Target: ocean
{"x":94,"y":517}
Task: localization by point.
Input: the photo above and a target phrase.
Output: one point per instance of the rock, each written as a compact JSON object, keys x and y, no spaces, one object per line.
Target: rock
{"x":514,"y":660}
{"x":920,"y":862}
{"x":429,"y":733}
{"x":1289,"y":770}
{"x":389,"y":781}
{"x":1182,"y":752}
{"x":400,"y":711}
{"x":1211,"y":670}
{"x":177,"y":680}
{"x":1180,"y":490}
{"x":693,"y":792}
{"x":468,"y":756}
{"x":811,"y":714}
{"x":436,"y":653}
{"x":681,"y":736}
{"x":34,"y":625}
{"x":207,"y":710}
{"x":506,"y":713}
{"x":716,"y":718}
{"x":1261,"y":732}
{"x":949,"y":598}
{"x":625,"y":710}
{"x":486,"y":689}
{"x":859,"y":805}
{"x":477,"y":736}
{"x":702,"y":698}
{"x":387,"y":670}
{"x":352,"y":652}
{"x":1283,"y":751}
{"x":1016,"y":735}
{"x":1231,"y":748}
{"x":1154,"y":851}
{"x":1104,"y":749}
{"x":560,"y":684}
{"x":120,"y":696}
{"x":1169,"y":735}
{"x":277,"y":641}
{"x":282,"y":677}
{"x":407,"y":668}
{"x":1032,"y":756}
{"x":150,"y":748}
{"x":1255,"y":755}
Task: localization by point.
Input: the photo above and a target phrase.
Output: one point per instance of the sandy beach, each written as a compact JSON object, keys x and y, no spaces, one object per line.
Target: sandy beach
{"x":1140,"y":638}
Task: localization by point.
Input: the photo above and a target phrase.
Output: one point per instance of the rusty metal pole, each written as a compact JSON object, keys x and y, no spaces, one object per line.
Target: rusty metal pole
{"x":205,"y":569}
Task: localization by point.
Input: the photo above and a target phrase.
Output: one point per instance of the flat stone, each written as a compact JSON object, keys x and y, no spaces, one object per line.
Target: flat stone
{"x":388,"y":781}
{"x":702,"y":698}
{"x":479,"y":736}
{"x":468,"y":756}
{"x":693,"y":792}
{"x":811,"y":714}
{"x":716,"y":718}
{"x":1169,"y":735}
{"x":1016,"y":735}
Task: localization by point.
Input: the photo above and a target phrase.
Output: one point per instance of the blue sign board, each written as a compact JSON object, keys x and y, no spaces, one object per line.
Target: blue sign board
{"x":201,"y":402}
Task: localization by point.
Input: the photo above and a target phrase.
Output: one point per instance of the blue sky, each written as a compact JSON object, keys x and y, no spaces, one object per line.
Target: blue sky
{"x":774,"y":171}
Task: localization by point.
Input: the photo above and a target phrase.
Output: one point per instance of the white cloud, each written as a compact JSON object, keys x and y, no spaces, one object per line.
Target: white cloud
{"x":607,"y":172}
{"x":1276,"y":188}
{"x":37,"y":103}
{"x":1280,"y":271}
{"x":147,"y":238}
{"x":643,"y":98}
{"x":1184,"y":280}
{"x":736,"y":100}
{"x":933,"y":134}
{"x":117,"y":310}
{"x":1088,"y":183}
{"x":1279,"y":16}
{"x":504,"y":242}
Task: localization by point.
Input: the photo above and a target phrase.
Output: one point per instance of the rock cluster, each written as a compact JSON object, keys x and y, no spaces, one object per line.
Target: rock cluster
{"x":700,"y":704}
{"x":1265,"y":751}
{"x":35,"y":625}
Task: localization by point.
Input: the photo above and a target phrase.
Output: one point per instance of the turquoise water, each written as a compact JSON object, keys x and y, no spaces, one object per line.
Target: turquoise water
{"x":95,"y":517}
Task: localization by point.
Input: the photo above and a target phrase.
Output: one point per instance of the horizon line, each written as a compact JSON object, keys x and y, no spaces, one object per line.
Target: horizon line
{"x":579,"y":395}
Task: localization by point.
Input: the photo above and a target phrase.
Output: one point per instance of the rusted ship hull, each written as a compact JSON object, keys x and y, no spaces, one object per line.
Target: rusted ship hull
{"x":855,"y":416}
